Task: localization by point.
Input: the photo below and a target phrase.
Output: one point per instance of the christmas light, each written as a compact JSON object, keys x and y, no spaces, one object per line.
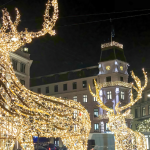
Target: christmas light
{"x":125,"y":138}
{"x":23,"y":113}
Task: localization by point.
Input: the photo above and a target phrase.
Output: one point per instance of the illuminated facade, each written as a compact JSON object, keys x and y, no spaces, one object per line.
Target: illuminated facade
{"x":73,"y":84}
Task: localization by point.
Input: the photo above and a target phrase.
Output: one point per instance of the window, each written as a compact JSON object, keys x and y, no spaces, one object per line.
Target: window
{"x":74,"y":85}
{"x":75,"y":128}
{"x":56,"y":88}
{"x":121,"y":78}
{"x":22,"y":82}
{"x":75,"y":98}
{"x":47,"y":89}
{"x":122,"y":95}
{"x":84,"y":84}
{"x":148,"y":96}
{"x":108,"y":79}
{"x":95,"y":112}
{"x":109,"y":96}
{"x":75,"y":114}
{"x":95,"y":99}
{"x":84,"y":98}
{"x":143,"y":111}
{"x":39,"y":90}
{"x":96,"y":127}
{"x":147,"y":141}
{"x":136,"y":113}
{"x":93,"y":81}
{"x":56,"y":141}
{"x":106,"y":126}
{"x":14,"y":63}
{"x":65,"y":87}
{"x":25,"y":49}
{"x":22,"y":67}
{"x":143,"y":97}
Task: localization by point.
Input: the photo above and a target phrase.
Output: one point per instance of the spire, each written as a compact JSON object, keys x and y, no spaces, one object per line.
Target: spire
{"x":112,"y":30}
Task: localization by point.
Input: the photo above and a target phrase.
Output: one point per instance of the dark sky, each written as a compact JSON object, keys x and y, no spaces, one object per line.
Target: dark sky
{"x":78,"y":45}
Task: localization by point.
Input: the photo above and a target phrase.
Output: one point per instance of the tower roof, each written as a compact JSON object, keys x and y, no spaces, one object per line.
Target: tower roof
{"x":112,"y":51}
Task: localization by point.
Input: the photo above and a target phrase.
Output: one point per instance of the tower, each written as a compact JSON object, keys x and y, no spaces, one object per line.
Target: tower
{"x":114,"y":77}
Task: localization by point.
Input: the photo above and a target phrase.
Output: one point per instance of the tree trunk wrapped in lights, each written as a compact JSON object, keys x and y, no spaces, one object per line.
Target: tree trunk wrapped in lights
{"x":23,"y":113}
{"x":125,"y":138}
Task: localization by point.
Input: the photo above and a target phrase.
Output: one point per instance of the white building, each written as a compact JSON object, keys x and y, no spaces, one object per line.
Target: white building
{"x":21,"y":64}
{"x":73,"y":84}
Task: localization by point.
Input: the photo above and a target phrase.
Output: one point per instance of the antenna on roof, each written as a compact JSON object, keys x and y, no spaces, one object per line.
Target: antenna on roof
{"x":112,"y":31}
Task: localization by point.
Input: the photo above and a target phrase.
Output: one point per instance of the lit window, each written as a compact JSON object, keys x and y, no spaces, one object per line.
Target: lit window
{"x":65,"y":87}
{"x":25,"y":49}
{"x":109,"y":96}
{"x":75,"y":114}
{"x":96,"y":112}
{"x":147,"y":141}
{"x":47,"y":89}
{"x":106,"y":126}
{"x":122,"y":95}
{"x":84,"y":84}
{"x":84,"y":98}
{"x":108,"y":79}
{"x":56,"y":88}
{"x":95,"y":99}
{"x":96,"y":127}
{"x":75,"y":128}
{"x":102,"y":127}
{"x":22,"y":67}
{"x":75,"y":98}
{"x":148,"y":96}
{"x":74,"y":85}
{"x":14,"y":63}
{"x":143,"y":111}
{"x":22,"y":82}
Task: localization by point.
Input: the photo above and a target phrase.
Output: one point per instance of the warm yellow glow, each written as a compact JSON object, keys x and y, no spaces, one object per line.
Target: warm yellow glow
{"x":107,"y":67}
{"x":121,"y":67}
{"x":113,"y":43}
{"x":125,"y":138}
{"x":23,"y":113}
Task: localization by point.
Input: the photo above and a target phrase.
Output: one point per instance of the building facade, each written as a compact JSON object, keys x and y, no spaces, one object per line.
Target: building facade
{"x":21,"y":64}
{"x":73,"y":84}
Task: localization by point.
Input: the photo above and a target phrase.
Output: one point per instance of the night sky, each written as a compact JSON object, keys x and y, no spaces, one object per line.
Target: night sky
{"x":77,"y":45}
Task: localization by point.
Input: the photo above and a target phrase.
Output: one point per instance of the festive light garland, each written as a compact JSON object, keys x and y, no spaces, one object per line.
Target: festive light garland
{"x":23,"y":113}
{"x":125,"y":138}
{"x":113,"y":43}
